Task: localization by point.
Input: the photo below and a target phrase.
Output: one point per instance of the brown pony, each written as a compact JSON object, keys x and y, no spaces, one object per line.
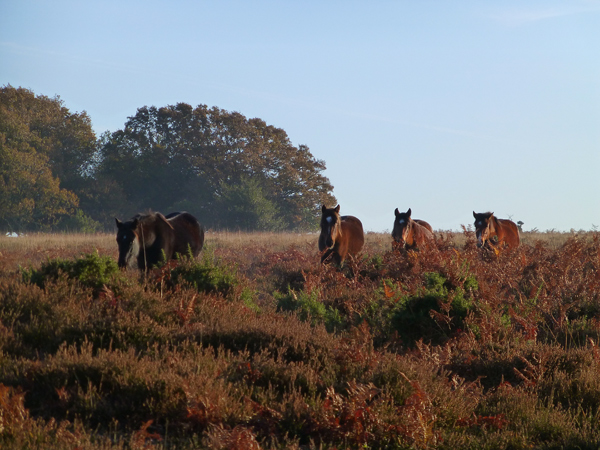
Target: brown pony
{"x":409,"y":233}
{"x":487,"y":226}
{"x":147,"y":239}
{"x":340,"y":235}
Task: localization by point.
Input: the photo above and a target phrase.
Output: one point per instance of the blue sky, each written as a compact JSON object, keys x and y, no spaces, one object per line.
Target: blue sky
{"x":441,"y":107}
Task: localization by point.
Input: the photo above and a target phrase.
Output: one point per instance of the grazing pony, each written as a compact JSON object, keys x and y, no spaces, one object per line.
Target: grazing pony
{"x":147,"y":239}
{"x":409,"y":233}
{"x":487,"y":226}
{"x":340,"y":235}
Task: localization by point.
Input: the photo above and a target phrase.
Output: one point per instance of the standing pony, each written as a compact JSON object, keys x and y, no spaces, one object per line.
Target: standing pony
{"x":409,"y":233}
{"x":487,"y":226}
{"x":147,"y":239}
{"x":340,"y":235}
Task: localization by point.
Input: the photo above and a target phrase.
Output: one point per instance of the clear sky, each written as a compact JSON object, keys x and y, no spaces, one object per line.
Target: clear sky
{"x":442,"y":107}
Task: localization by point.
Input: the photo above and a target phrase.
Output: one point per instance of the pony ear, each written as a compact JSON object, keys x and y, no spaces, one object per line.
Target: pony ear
{"x":409,"y":212}
{"x":135,"y":223}
{"x":474,"y":214}
{"x":323,"y":208}
{"x":119,"y":223}
{"x":396,"y":212}
{"x":337,"y":209}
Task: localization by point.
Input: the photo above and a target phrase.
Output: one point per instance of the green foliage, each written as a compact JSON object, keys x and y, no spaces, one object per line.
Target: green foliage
{"x":79,"y":223}
{"x":309,"y":308}
{"x":412,"y":316}
{"x":90,"y":270}
{"x":206,"y":275}
{"x":227,"y":170}
{"x":44,"y":150}
{"x":244,"y":207}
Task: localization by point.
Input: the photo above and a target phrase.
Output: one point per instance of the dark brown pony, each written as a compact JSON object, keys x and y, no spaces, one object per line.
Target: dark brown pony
{"x":487,"y":226}
{"x":340,"y":235}
{"x":147,"y":239}
{"x":409,"y":233}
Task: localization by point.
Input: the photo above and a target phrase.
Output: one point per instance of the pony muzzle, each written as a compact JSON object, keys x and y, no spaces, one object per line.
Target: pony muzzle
{"x":480,"y":240}
{"x":329,"y":242}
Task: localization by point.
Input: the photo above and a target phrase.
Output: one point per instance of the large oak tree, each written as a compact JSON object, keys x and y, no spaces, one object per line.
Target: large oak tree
{"x":44,"y":153}
{"x":230,"y":171}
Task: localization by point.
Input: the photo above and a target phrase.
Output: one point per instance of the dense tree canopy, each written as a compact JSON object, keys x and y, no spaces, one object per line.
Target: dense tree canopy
{"x":44,"y":151}
{"x":229,"y":171}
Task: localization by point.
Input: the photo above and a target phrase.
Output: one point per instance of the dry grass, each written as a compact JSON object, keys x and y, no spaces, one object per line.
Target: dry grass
{"x":277,"y":241}
{"x":35,"y":248}
{"x":374,"y":242}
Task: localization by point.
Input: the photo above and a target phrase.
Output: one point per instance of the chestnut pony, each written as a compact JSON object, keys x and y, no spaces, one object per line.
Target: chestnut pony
{"x":487,"y":226}
{"x":147,"y":239}
{"x":409,"y":233}
{"x":340,"y":235}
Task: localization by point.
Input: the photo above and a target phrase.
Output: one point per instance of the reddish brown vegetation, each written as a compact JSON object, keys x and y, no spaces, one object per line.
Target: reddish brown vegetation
{"x":448,"y":347}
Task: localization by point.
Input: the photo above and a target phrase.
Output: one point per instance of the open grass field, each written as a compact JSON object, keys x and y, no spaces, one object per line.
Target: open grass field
{"x":255,"y":345}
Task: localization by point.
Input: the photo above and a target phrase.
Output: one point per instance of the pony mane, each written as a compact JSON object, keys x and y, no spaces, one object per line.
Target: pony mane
{"x":143,"y":217}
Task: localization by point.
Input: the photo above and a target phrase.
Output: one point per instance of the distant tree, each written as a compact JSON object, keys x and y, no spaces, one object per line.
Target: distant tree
{"x":37,"y":140}
{"x":243,"y":206}
{"x":228,"y":170}
{"x":50,"y":129}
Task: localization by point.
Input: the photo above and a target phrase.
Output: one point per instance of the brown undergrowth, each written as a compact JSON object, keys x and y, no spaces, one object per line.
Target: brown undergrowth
{"x":258,"y":346}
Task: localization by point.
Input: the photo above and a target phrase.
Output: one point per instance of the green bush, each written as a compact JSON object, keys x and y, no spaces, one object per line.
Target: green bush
{"x":413,"y":318}
{"x":79,"y":223}
{"x":207,"y":275}
{"x":309,"y":308}
{"x":91,"y":270}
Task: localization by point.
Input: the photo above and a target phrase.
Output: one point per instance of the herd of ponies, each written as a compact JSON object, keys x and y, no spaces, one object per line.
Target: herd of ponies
{"x":147,"y":239}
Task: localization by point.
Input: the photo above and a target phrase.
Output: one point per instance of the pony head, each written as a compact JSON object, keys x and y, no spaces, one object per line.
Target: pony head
{"x":483,"y":227}
{"x":128,"y":242}
{"x":402,"y":227}
{"x":330,"y":227}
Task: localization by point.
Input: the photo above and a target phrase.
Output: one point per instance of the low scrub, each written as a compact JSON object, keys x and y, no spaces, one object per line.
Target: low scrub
{"x":208,"y":275}
{"x":90,"y":270}
{"x":252,"y":347}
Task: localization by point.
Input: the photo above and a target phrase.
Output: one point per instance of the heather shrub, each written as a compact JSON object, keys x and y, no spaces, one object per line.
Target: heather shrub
{"x":434,"y":311}
{"x":260,"y":346}
{"x":308,"y":307}
{"x":206,"y":275}
{"x":19,"y":430}
{"x":90,"y":270}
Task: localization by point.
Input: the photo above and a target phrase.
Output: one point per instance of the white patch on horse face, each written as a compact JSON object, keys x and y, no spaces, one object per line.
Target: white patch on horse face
{"x":401,"y":222}
{"x":329,"y":219}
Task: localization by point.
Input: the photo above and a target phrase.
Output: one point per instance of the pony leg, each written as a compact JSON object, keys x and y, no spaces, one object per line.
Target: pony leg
{"x":494,"y":247}
{"x":337,"y":259}
{"x":326,"y":255}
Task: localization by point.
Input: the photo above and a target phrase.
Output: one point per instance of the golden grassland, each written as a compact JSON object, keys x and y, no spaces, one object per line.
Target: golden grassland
{"x":40,"y":246}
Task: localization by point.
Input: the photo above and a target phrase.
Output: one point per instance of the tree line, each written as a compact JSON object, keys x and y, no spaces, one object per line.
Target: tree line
{"x":229,"y":171}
